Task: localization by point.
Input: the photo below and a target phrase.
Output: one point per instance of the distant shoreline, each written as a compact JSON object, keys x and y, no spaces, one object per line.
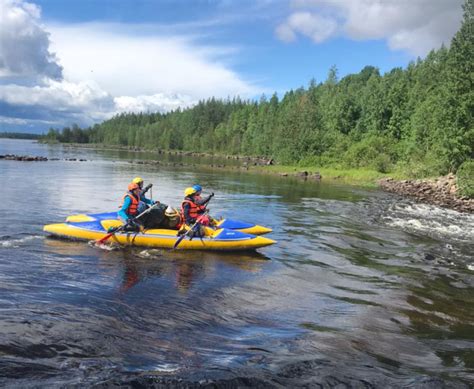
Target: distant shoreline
{"x":441,"y":191}
{"x":19,"y":135}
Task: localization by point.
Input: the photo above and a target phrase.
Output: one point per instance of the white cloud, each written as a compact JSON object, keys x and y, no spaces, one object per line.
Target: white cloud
{"x":416,"y":26}
{"x":54,"y":93}
{"x":24,"y":43}
{"x":7,"y":120}
{"x":126,"y":63}
{"x":58,"y":102}
{"x":84,"y":103}
{"x":101,"y":69}
{"x":286,"y":33}
{"x":312,"y":25}
{"x":157,"y":102}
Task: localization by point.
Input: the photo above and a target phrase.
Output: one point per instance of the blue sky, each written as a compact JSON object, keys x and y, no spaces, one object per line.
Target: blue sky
{"x":82,"y":61}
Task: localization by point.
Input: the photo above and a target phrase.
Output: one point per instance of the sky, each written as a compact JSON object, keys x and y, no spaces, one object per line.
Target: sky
{"x":84,"y":61}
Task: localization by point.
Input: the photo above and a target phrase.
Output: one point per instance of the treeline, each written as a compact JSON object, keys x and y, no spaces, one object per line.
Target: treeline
{"x":419,"y":119}
{"x":69,"y":135}
{"x":19,"y":135}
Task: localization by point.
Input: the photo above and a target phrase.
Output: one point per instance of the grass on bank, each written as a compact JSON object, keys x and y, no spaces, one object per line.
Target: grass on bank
{"x":361,"y":176}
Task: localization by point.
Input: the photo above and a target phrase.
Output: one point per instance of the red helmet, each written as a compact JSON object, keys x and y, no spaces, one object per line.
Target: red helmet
{"x":133,"y":186}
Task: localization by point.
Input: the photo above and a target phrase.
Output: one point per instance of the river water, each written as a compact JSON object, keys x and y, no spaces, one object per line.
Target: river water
{"x":362,"y":289}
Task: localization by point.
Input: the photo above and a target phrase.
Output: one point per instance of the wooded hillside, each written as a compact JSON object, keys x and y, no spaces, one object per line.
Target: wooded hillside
{"x":419,"y":119}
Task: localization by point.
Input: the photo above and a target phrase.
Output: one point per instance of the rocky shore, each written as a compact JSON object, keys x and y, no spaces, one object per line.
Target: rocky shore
{"x":245,"y":160}
{"x":31,"y":158}
{"x":442,"y":192}
{"x":27,"y":158}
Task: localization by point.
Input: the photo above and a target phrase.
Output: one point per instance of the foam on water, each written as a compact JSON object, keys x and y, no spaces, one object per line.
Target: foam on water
{"x":13,"y":243}
{"x":432,"y":221}
{"x":104,"y":246}
{"x":150,"y":253}
{"x":164,"y":368}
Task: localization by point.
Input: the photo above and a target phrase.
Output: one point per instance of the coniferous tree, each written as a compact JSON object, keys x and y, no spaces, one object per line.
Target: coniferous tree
{"x":419,"y":118}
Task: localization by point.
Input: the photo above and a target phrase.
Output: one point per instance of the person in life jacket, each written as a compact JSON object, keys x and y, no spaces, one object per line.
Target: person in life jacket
{"x":203,"y":202}
{"x":132,"y":207}
{"x":156,"y":218}
{"x":197,"y":197}
{"x":144,"y":201}
{"x":192,"y":208}
{"x":129,"y":208}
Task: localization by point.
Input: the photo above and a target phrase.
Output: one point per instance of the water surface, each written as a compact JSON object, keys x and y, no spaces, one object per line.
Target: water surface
{"x":363,"y":288}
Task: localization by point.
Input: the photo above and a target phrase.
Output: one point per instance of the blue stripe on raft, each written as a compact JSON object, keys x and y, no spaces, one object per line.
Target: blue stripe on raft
{"x":227,"y":223}
{"x":104,"y":216}
{"x":226,"y":234}
{"x":92,"y":226}
{"x":235,"y":224}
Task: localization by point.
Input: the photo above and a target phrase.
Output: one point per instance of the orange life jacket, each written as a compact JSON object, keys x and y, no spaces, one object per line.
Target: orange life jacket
{"x":194,"y":209}
{"x":202,"y":208}
{"x":133,"y":207}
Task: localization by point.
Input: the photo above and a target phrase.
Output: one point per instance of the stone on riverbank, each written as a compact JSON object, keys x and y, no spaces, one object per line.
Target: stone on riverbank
{"x":27,"y":158}
{"x":442,"y":192}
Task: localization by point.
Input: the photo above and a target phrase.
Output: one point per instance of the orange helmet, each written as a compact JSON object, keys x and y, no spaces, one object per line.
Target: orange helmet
{"x":133,"y":186}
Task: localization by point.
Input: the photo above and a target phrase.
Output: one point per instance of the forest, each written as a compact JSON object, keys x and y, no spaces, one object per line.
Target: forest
{"x":417,"y":119}
{"x":19,"y":135}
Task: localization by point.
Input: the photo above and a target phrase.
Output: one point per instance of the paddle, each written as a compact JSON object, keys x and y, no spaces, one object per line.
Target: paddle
{"x":178,"y":241}
{"x":121,"y":228}
{"x":146,"y":189}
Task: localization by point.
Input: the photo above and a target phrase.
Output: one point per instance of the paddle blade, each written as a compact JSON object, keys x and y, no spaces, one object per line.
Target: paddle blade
{"x":178,"y":241}
{"x":106,"y":237}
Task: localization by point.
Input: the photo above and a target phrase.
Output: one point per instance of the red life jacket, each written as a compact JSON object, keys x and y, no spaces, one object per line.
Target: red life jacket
{"x":194,"y":209}
{"x":133,"y":207}
{"x":202,"y":208}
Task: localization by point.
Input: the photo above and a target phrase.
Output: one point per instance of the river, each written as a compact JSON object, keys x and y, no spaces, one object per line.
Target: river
{"x":363,"y":288}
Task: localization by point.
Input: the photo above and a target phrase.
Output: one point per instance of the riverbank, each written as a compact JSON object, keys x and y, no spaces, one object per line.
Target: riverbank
{"x":441,"y":191}
{"x":260,"y":164}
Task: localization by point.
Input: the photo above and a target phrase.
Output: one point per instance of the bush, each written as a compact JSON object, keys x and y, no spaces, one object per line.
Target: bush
{"x":421,"y":164}
{"x":382,"y":163}
{"x":372,"y":152}
{"x":465,"y":179}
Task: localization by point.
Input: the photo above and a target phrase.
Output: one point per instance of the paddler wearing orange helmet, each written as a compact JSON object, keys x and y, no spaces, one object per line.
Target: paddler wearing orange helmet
{"x":129,"y":208}
{"x":135,"y":202}
{"x":144,"y":201}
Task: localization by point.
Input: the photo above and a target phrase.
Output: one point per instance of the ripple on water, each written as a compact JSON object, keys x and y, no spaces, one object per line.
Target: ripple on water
{"x":13,"y":242}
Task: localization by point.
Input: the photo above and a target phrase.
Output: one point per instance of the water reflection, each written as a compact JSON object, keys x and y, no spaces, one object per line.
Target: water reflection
{"x":135,"y":265}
